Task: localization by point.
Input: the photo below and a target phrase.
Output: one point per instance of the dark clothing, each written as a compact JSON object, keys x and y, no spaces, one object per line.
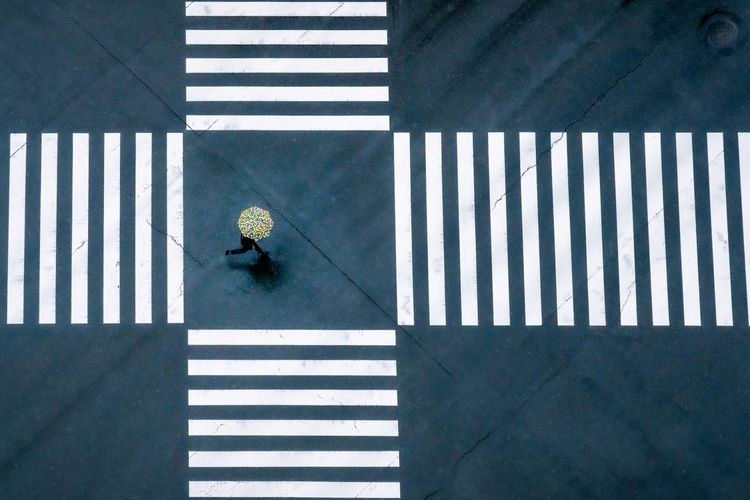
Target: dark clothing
{"x":247,"y":245}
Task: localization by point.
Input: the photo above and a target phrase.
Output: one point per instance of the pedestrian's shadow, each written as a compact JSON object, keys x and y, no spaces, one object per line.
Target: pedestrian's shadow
{"x":265,"y":271}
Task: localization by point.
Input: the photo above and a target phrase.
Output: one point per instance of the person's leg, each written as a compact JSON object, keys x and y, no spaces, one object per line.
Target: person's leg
{"x":236,"y":251}
{"x":258,"y":249}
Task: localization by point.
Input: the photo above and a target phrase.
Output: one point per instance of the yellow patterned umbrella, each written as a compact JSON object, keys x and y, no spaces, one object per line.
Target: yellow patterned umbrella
{"x":255,"y":223}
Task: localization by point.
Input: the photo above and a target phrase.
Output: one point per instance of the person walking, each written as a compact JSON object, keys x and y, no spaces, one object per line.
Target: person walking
{"x":255,"y":223}
{"x":246,"y":245}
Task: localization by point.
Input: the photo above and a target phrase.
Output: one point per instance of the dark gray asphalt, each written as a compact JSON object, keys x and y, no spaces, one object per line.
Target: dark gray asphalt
{"x":484,"y":413}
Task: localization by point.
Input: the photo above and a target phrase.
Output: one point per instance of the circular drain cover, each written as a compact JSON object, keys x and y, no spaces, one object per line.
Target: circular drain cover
{"x":723,"y":32}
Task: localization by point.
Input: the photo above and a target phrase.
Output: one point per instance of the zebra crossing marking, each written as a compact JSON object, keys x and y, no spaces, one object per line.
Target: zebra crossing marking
{"x":532,"y":284}
{"x":467,"y":239}
{"x":293,"y":489}
{"x":79,"y":163}
{"x":292,"y":367}
{"x":325,"y":428}
{"x":719,"y":229}
{"x":593,"y":218}
{"x":16,"y":229}
{"x":290,"y":123}
{"x":245,"y":90}
{"x":498,"y":228}
{"x":287,"y":94}
{"x":403,"y":236}
{"x":630,"y":231}
{"x":175,"y":230}
{"x":286,"y":37}
{"x":335,"y":447}
{"x":561,"y":217}
{"x":287,"y":9}
{"x":688,"y":229}
{"x":292,"y":337}
{"x":48,"y":230}
{"x":143,"y":195}
{"x":290,"y":65}
{"x":283,"y":459}
{"x":435,"y":239}
{"x":291,"y":397}
{"x":79,"y":251}
{"x":111,"y":230}
{"x":625,"y":237}
{"x":656,"y":230}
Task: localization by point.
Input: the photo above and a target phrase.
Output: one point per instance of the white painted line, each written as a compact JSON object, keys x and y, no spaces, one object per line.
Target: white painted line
{"x":286,"y":37}
{"x":292,"y":489}
{"x":719,"y":231}
{"x":688,"y":234}
{"x":111,"y":230}
{"x":435,"y":242}
{"x":467,"y":238}
{"x":625,"y":243}
{"x":339,"y":123}
{"x":293,"y":337}
{"x":402,"y":200}
{"x":498,"y":229}
{"x":292,"y":367}
{"x":657,"y":249}
{"x":48,"y":231}
{"x":287,"y":65}
{"x":532,"y":288}
{"x":292,"y":397}
{"x":342,"y":428}
{"x":563,"y":241}
{"x":743,"y":140}
{"x":175,"y":231}
{"x":143,"y":193}
{"x":79,"y":237}
{"x":594,"y":246}
{"x":287,"y":9}
{"x":286,"y":94}
{"x":16,"y":228}
{"x":289,"y":459}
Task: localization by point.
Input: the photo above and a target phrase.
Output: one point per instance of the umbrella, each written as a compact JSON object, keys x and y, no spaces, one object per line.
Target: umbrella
{"x":255,"y":223}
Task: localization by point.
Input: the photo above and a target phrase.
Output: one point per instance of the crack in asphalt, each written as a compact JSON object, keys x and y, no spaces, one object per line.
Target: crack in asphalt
{"x":22,"y":146}
{"x":123,"y":63}
{"x":79,"y":247}
{"x":174,"y":240}
{"x":582,"y":117}
{"x":336,"y":9}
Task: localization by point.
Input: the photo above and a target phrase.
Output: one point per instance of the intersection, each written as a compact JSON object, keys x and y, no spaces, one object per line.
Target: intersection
{"x":509,"y":251}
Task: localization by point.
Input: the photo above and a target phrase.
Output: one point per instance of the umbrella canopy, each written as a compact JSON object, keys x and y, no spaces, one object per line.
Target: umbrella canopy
{"x":255,"y":223}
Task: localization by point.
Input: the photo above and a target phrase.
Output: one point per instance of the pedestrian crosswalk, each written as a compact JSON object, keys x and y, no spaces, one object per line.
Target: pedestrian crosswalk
{"x":92,"y":216}
{"x":293,"y":414}
{"x":589,"y":229}
{"x":322,"y":66}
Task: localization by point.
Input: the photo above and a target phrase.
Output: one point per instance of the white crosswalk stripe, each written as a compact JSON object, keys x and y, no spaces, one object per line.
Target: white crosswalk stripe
{"x":639,"y":229}
{"x":72,"y":292}
{"x":16,"y":229}
{"x":688,"y":233}
{"x":532,"y":285}
{"x":79,"y":247}
{"x":593,"y":215}
{"x":467,"y":228}
{"x":625,"y":238}
{"x":561,"y":213}
{"x":719,"y":230}
{"x":233,"y":85}
{"x":314,"y":433}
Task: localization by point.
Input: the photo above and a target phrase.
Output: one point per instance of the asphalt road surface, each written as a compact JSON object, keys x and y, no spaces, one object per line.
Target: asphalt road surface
{"x":510,"y":255}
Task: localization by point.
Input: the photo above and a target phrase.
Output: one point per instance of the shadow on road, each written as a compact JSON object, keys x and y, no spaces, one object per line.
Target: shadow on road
{"x":265,"y":271}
